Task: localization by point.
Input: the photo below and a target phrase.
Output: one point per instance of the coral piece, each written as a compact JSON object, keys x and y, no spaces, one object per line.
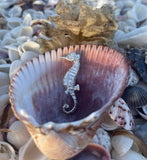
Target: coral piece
{"x":79,"y":23}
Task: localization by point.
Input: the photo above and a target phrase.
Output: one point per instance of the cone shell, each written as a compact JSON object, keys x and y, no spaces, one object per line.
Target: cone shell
{"x":37,"y":95}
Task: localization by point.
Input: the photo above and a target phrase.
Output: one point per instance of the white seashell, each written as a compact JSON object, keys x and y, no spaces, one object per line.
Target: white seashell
{"x":7,"y":40}
{"x":34,"y":14}
{"x":130,"y":155}
{"x":134,"y":79}
{"x":15,"y":31}
{"x":13,"y":55}
{"x":28,"y":55}
{"x":103,"y":139}
{"x":14,"y":67}
{"x":138,"y":12}
{"x":13,"y":22}
{"x":4,"y":100}
{"x":5,"y":68}
{"x":2,"y":33}
{"x":27,"y":20}
{"x":18,"y":135}
{"x":31,"y":46}
{"x":4,"y":89}
{"x":26,"y":31}
{"x":20,"y":40}
{"x":6,"y":151}
{"x":2,"y":61}
{"x":118,"y":35}
{"x":30,"y":152}
{"x":4,"y":79}
{"x":15,"y":11}
{"x":121,"y":144}
{"x":146,"y":59}
{"x":137,"y":37}
{"x":121,"y":114}
{"x":108,"y":124}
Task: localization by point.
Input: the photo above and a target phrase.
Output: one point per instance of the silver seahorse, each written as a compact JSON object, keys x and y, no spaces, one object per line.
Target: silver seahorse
{"x":69,"y":80}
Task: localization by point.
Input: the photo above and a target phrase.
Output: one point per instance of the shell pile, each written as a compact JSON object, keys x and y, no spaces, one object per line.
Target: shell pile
{"x":30,"y":28}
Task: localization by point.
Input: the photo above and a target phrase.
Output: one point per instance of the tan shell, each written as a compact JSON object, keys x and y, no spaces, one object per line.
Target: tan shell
{"x":40,"y":83}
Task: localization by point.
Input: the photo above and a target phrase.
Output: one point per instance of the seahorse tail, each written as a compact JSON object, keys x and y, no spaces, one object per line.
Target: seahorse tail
{"x":66,"y":106}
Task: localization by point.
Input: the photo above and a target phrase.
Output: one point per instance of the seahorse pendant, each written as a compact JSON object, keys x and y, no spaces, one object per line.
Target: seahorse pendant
{"x":69,"y":80}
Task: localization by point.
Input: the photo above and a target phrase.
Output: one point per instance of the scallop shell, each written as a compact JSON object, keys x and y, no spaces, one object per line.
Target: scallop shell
{"x":93,"y":152}
{"x":40,"y":83}
{"x":18,"y":135}
{"x":135,"y":96}
{"x":121,"y":114}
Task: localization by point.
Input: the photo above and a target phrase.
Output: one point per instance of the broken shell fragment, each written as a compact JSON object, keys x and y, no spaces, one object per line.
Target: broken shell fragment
{"x":102,"y":138}
{"x":37,"y":95}
{"x":93,"y":152}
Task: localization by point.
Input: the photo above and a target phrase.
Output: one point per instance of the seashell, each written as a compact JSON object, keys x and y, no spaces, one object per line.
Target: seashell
{"x":4,"y":100}
{"x":4,"y":67}
{"x":121,"y":114}
{"x":136,"y":38}
{"x":2,"y":33}
{"x":7,"y":40}
{"x":26,"y":31}
{"x":31,"y":46}
{"x":13,"y":55}
{"x":121,"y":144}
{"x":108,"y":124}
{"x":29,"y":151}
{"x":15,"y":11}
{"x":3,"y":54}
{"x":92,"y":152}
{"x":102,"y":138}
{"x":15,"y":32}
{"x":134,"y":79}
{"x":40,"y":82}
{"x":20,"y":41}
{"x":142,"y":112}
{"x":129,"y":155}
{"x":14,"y":67}
{"x":28,"y":55}
{"x":141,"y":132}
{"x":135,"y":96}
{"x":18,"y":135}
{"x":4,"y":89}
{"x":137,"y":58}
{"x":137,"y":145}
{"x":13,"y":22}
{"x":138,"y":12}
{"x":27,"y":20}
{"x":6,"y":151}
{"x":34,"y":14}
{"x":4,"y":79}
